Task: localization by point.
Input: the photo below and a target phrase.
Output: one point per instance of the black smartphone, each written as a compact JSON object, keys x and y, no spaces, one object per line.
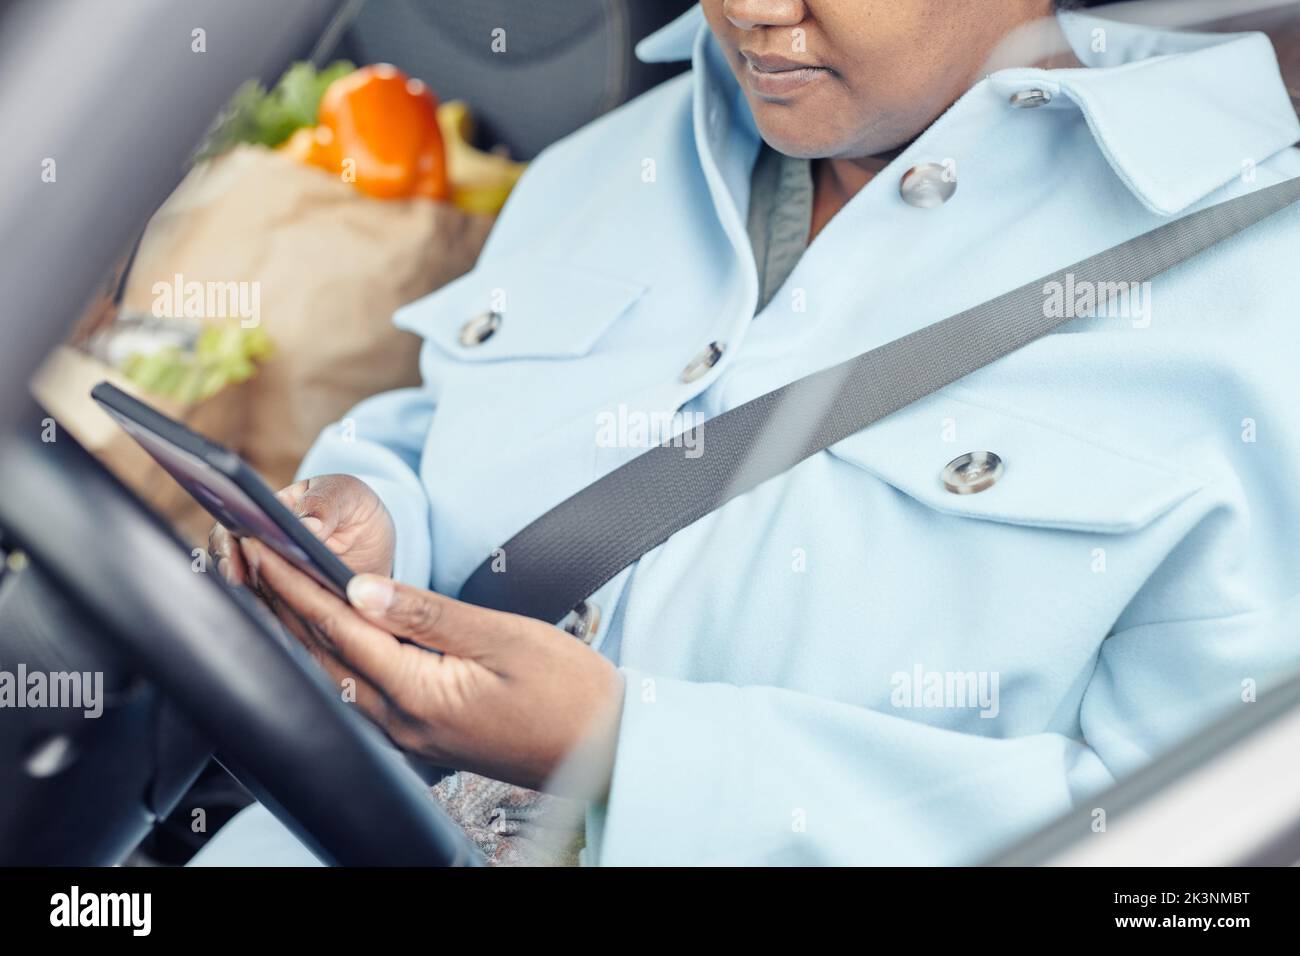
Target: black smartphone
{"x":225,"y":485}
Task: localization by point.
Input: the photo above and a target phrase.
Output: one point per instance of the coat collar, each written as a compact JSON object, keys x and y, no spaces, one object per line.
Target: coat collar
{"x":1220,"y":98}
{"x":673,"y":42}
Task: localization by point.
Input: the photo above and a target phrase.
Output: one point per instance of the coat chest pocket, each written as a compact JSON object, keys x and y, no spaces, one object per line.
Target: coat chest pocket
{"x":1052,"y":475}
{"x":519,"y":309}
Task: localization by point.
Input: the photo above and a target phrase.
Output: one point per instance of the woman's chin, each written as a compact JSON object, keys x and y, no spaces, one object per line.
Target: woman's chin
{"x":795,"y":137}
{"x":789,"y":133}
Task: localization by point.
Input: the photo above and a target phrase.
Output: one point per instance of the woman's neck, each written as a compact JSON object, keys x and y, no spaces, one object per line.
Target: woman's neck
{"x":836,"y":181}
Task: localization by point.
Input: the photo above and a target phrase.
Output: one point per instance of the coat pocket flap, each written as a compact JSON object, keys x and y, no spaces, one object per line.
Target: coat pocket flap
{"x":1053,"y":476}
{"x":533,"y":309}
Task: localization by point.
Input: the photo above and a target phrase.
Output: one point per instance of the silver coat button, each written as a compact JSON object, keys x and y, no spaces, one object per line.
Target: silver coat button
{"x":972,"y":472}
{"x":1030,"y":99}
{"x":479,"y":329}
{"x":927,"y":185}
{"x":583,"y":621}
{"x":703,"y":362}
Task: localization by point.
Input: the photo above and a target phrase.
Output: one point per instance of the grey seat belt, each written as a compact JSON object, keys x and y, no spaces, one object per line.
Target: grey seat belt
{"x":561,"y":558}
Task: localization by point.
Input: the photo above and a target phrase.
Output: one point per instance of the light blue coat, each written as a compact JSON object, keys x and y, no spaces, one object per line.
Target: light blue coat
{"x":851,"y":663}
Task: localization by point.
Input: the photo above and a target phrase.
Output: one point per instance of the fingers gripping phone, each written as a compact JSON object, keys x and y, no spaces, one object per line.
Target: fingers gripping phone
{"x":225,"y":485}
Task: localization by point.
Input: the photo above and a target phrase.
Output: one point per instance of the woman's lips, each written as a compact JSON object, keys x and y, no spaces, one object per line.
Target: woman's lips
{"x":778,"y":76}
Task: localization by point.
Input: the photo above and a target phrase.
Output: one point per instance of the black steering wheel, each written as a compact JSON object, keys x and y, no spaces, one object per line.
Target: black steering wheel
{"x":214,"y":653}
{"x":84,"y":558}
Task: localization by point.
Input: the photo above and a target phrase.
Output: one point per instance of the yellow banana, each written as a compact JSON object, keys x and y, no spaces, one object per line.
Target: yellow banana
{"x":480,"y":181}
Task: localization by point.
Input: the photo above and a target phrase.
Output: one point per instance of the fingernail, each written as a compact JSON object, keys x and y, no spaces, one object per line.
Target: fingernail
{"x":312,"y":524}
{"x":370,"y":592}
{"x":223,"y":568}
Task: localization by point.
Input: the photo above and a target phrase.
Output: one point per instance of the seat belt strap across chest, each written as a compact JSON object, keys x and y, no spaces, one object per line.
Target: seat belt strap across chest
{"x":563,"y":556}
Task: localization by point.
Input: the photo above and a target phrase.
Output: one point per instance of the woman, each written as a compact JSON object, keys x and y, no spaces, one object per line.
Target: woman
{"x":853,"y":662}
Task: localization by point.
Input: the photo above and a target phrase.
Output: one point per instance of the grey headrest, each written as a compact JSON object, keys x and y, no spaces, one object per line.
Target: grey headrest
{"x":565,"y":61}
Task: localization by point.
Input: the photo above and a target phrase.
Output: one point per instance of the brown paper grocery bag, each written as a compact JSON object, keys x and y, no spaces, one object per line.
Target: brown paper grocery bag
{"x":329,"y":266}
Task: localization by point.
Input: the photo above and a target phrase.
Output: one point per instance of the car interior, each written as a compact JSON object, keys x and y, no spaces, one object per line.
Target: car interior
{"x":194,"y":725}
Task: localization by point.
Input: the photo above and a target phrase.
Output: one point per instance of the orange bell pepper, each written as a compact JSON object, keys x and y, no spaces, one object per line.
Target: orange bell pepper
{"x":386,"y":124}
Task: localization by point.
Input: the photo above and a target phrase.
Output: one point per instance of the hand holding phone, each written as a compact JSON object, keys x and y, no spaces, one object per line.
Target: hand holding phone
{"x":343,"y":510}
{"x":340,"y":510}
